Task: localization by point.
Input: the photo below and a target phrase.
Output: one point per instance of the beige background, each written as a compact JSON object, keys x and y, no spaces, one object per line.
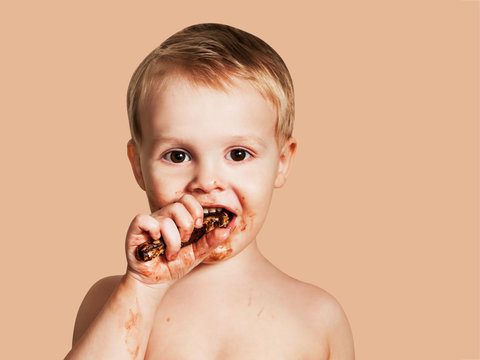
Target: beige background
{"x":384,"y":189}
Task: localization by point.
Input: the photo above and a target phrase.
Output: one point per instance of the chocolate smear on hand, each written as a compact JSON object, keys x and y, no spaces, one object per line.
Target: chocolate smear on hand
{"x":153,"y":248}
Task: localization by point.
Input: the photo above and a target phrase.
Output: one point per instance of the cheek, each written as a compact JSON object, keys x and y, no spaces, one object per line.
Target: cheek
{"x":258,"y":184}
{"x":255,"y":195}
{"x":162,"y":189}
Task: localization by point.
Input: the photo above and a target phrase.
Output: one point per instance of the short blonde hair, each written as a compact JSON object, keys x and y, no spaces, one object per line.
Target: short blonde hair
{"x":214,"y":55}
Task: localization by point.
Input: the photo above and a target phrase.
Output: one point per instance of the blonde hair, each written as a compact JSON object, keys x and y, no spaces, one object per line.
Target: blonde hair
{"x":214,"y":55}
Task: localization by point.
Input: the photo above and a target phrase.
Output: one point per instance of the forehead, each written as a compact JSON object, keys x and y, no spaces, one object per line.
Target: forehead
{"x":179,"y":107}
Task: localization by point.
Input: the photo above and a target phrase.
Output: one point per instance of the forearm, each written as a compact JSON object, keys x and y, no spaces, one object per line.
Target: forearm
{"x":122,"y":328}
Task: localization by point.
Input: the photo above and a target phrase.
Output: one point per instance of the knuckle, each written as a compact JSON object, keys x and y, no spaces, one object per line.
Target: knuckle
{"x":187,"y":198}
{"x":191,"y":201}
{"x":187,"y":223}
{"x":177,"y":207}
{"x":165,"y":221}
{"x":138,"y":217}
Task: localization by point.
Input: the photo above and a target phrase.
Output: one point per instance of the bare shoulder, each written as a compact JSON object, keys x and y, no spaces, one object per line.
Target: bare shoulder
{"x":322,"y":313}
{"x":331,"y":319}
{"x":93,"y":303}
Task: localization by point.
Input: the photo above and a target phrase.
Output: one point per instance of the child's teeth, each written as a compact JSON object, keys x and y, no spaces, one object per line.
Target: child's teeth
{"x":211,"y":210}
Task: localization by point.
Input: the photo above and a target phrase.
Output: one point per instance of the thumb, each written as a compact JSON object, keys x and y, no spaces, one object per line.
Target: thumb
{"x":192,"y":255}
{"x":209,"y":242}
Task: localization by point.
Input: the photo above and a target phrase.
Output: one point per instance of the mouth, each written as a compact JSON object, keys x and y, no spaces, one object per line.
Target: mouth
{"x":217,"y":217}
{"x":213,"y":217}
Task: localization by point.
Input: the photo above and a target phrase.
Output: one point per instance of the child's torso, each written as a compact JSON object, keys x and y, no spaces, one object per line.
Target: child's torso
{"x":234,"y":325}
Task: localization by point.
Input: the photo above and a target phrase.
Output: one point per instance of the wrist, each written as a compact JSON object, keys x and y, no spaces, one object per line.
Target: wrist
{"x":154,"y":292}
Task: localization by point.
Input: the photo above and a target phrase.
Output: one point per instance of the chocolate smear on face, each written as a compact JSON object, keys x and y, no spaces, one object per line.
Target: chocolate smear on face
{"x":153,"y":248}
{"x":221,"y":252}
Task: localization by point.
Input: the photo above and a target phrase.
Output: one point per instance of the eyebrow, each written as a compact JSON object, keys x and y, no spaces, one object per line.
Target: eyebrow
{"x":250,"y":139}
{"x":167,"y":139}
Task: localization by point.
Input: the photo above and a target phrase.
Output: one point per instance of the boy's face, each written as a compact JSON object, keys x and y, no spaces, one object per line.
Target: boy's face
{"x":219,"y":147}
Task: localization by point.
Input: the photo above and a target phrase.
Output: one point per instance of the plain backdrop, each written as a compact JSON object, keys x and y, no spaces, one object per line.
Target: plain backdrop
{"x":381,"y":207}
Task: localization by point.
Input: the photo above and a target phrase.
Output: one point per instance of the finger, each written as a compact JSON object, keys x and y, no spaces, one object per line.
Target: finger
{"x":141,"y":228}
{"x":192,"y":255}
{"x":170,"y":236}
{"x":181,"y":216}
{"x":194,"y":208}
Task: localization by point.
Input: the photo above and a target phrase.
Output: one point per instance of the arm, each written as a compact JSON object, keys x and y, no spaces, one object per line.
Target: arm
{"x":340,"y":338}
{"x":116,"y":317}
{"x":122,"y":327}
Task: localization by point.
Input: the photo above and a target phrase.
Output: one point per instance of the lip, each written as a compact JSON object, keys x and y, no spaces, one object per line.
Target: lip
{"x":231,"y":223}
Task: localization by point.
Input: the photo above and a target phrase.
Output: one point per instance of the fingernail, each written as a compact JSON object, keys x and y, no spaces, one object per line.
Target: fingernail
{"x":198,"y":222}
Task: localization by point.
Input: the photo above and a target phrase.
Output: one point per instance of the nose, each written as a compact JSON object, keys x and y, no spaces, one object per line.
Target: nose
{"x":206,"y":179}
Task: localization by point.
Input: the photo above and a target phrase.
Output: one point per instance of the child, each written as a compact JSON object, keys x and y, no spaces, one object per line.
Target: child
{"x":211,"y":115}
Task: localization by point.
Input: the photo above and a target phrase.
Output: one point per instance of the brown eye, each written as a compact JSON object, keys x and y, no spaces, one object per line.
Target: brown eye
{"x":238,"y":155}
{"x":177,"y":156}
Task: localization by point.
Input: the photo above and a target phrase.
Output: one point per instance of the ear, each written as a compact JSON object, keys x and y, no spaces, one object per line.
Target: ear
{"x":285,"y":161}
{"x":134,"y":158}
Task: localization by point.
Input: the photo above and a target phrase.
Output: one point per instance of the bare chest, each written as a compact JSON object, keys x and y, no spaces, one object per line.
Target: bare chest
{"x":216,"y":331}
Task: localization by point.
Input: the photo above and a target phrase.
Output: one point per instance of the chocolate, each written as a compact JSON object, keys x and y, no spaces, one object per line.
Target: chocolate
{"x":153,"y":248}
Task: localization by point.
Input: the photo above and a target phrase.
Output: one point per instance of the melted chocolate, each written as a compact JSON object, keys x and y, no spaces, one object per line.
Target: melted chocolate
{"x":221,"y":252}
{"x":153,"y":248}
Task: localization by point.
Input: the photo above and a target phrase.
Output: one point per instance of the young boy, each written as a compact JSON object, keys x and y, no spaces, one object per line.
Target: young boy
{"x":211,"y":114}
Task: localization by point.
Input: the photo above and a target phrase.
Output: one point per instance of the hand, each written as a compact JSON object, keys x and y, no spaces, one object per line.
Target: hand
{"x":174,"y":223}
